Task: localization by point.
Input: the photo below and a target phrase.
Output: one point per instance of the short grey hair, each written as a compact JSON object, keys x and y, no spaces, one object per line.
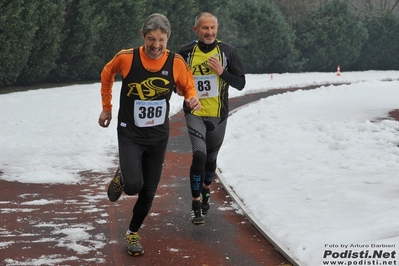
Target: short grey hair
{"x":203,"y":14}
{"x":156,"y":21}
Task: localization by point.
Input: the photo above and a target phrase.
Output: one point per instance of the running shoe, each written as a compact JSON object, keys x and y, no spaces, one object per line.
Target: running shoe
{"x":114,"y":187}
{"x":132,"y":244}
{"x":205,"y":199}
{"x":196,"y":213}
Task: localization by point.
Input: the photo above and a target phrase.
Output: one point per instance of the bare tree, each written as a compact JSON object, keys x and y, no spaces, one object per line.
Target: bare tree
{"x":376,"y":5}
{"x":395,"y":5}
{"x":293,"y":9}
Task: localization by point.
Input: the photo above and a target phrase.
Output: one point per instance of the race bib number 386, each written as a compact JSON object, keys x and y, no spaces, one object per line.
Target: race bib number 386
{"x":149,"y":113}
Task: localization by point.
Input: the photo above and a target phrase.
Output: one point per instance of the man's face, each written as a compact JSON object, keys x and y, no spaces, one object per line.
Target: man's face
{"x":207,"y":29}
{"x":155,"y":43}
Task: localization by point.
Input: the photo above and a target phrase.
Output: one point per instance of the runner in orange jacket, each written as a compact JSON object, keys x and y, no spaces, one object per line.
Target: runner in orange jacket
{"x":149,"y":76}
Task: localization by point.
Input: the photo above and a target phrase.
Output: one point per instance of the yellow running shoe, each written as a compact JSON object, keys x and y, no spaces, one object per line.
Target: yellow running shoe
{"x":114,"y":187}
{"x":132,"y":244}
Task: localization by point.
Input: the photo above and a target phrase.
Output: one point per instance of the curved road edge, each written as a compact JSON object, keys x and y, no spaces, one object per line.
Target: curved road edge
{"x":237,"y":104}
{"x":250,"y":99}
{"x":253,"y":220}
{"x":256,"y":223}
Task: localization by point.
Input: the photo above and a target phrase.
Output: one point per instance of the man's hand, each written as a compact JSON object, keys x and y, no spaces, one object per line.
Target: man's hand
{"x":215,"y":64}
{"x":105,"y":118}
{"x":193,"y":103}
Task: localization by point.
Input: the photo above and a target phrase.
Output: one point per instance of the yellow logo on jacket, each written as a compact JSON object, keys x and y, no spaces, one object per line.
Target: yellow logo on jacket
{"x":149,"y":89}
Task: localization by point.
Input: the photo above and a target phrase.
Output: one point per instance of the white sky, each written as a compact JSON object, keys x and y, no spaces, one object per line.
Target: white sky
{"x":317,"y":168}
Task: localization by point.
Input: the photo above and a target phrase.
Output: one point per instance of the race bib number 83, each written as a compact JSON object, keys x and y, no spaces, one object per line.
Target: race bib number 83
{"x":149,"y":113}
{"x":206,"y":86}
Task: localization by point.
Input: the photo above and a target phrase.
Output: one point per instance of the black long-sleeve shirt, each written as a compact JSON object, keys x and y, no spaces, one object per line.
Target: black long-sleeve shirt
{"x":214,"y":103}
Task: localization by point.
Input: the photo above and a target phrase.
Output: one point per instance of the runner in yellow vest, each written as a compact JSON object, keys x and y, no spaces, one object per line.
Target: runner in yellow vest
{"x":215,"y":66}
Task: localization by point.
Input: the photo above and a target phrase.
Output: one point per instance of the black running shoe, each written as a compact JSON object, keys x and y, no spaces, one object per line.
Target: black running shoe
{"x":132,"y":244}
{"x":205,"y":199}
{"x":114,"y":187}
{"x":196,"y":213}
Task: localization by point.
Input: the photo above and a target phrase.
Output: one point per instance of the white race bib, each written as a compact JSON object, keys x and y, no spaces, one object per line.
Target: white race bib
{"x":149,"y":113}
{"x":207,"y":86}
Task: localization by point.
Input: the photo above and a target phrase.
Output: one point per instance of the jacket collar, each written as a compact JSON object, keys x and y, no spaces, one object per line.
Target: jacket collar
{"x":206,"y":47}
